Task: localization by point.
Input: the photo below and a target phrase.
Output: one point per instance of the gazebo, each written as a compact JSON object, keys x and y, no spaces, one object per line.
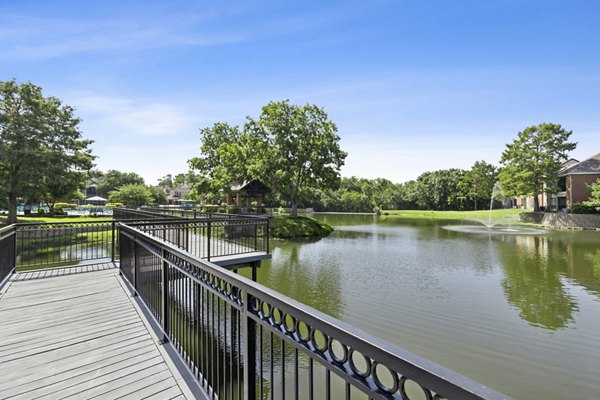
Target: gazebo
{"x":246,"y":192}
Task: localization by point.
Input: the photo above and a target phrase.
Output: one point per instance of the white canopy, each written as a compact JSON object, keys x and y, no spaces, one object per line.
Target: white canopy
{"x":96,"y":198}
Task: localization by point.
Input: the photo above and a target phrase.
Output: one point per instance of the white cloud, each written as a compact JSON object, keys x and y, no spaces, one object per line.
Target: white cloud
{"x":30,"y":38}
{"x":136,"y":117}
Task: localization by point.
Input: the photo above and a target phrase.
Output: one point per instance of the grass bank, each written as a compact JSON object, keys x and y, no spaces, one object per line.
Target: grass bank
{"x":288,"y":227}
{"x":499,"y":214}
{"x":58,"y":219}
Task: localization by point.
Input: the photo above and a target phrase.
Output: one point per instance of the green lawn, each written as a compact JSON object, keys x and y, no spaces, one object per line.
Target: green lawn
{"x":504,"y":213}
{"x":60,"y":219}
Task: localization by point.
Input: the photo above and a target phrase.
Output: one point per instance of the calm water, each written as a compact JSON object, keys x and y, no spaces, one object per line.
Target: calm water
{"x":518,"y":313}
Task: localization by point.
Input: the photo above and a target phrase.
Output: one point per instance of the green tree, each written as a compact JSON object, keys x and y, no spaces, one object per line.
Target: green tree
{"x":478,"y":183}
{"x":594,"y":200}
{"x":301,"y":150}
{"x":166,"y":182}
{"x":132,"y":195}
{"x":224,"y":157}
{"x":158,"y":195}
{"x":437,"y":190}
{"x":531,"y":163}
{"x":61,"y":184}
{"x":113,"y":179}
{"x":40,"y":143}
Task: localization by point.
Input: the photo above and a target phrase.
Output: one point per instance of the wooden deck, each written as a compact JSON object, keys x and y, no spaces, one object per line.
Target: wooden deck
{"x":76,"y":333}
{"x":235,"y":254}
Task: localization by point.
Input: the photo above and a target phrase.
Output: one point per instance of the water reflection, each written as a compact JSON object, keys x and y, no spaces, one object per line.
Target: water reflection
{"x":532,"y":282}
{"x":313,"y":279}
{"x":539,"y":269}
{"x":459,"y":299}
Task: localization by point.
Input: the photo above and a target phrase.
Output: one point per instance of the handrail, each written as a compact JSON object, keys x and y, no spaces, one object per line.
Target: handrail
{"x":200,"y":306}
{"x":50,"y":244}
{"x":136,"y":213}
{"x":210,"y":238}
{"x":193,"y":213}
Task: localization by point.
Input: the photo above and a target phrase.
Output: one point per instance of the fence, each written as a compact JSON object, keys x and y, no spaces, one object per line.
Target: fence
{"x":57,"y":243}
{"x":206,"y":213}
{"x":212,"y":238}
{"x":124,"y":214}
{"x":242,"y":340}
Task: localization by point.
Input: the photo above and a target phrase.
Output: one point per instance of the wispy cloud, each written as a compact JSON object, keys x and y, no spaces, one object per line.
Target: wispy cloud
{"x":137,"y":117}
{"x":26,"y":37}
{"x":29,"y":37}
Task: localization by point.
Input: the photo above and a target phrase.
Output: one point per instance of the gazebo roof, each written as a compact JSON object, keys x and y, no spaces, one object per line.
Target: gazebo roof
{"x":253,"y":186}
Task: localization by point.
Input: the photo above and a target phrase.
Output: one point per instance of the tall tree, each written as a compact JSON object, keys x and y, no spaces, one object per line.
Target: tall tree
{"x":531,"y":163}
{"x":224,"y":158}
{"x":478,"y":183}
{"x":302,"y":149}
{"x":40,"y":141}
{"x":113,"y":179}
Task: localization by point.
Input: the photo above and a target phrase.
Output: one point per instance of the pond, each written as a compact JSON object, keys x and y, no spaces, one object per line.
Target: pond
{"x":518,"y":313}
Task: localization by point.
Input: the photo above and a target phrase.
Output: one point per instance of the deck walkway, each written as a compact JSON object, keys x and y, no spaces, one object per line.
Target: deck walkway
{"x":77,"y":333}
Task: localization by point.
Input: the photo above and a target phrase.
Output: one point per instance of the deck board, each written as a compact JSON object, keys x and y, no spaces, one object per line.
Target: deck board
{"x":76,"y":333}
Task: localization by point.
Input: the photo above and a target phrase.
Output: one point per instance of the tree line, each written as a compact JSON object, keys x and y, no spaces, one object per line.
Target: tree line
{"x":447,"y":189}
{"x":295,"y":150}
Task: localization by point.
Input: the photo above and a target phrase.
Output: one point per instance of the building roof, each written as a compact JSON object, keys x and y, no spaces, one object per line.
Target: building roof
{"x":253,"y":186}
{"x":589,"y":166}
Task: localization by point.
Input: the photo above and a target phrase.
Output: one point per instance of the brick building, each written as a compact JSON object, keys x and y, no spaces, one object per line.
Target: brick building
{"x":574,"y":181}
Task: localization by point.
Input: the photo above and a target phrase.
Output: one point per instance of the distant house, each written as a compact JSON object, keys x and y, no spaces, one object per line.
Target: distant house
{"x":178,"y":195}
{"x":574,"y":180}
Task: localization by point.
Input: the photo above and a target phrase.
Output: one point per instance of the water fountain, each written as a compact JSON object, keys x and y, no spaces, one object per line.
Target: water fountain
{"x":495,"y":226}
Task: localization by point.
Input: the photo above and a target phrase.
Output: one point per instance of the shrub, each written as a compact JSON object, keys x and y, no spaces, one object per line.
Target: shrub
{"x":288,"y":227}
{"x":113,"y":205}
{"x":580,"y":208}
{"x":60,"y":206}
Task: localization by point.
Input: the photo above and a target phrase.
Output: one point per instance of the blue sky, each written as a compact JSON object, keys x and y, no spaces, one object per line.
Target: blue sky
{"x":413,"y":86}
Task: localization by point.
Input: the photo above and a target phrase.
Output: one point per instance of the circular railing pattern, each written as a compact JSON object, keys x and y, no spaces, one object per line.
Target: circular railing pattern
{"x":212,"y":281}
{"x":362,"y":371}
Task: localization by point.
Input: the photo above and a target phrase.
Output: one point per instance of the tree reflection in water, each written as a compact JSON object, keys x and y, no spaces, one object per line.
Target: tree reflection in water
{"x":535,"y":271}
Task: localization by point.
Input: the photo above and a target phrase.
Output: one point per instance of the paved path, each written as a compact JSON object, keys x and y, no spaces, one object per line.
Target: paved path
{"x":75,"y":333}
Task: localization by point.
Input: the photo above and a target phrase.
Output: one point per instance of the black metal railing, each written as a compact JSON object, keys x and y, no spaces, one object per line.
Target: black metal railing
{"x":196,"y":213}
{"x":40,"y":245}
{"x":211,"y":238}
{"x":7,"y":252}
{"x":125,"y":214}
{"x":244,"y":341}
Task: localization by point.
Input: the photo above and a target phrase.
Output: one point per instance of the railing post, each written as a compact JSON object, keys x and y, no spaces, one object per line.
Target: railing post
{"x":135,"y":266}
{"x":255,"y":235}
{"x":208,"y":226}
{"x":187,"y":237}
{"x":112,"y":251}
{"x":249,"y":351}
{"x":165,"y":297}
{"x":267,"y":235}
{"x":15,"y":247}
